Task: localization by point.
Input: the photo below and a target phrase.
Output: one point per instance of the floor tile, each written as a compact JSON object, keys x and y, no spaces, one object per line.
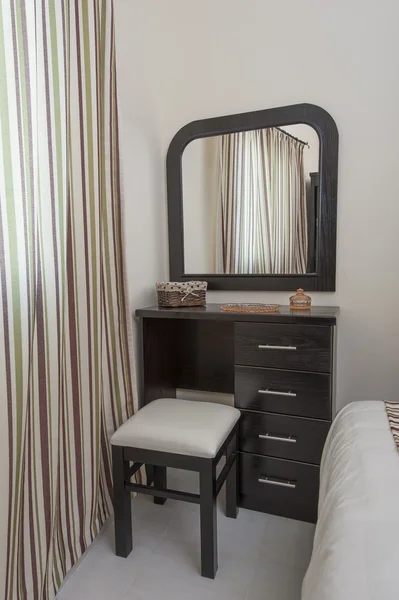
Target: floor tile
{"x":150,"y":517}
{"x":287,"y":541}
{"x":177,"y":567}
{"x":242,"y":536}
{"x":171,"y":588}
{"x":260,"y":556}
{"x":185,"y":523}
{"x":186,"y":481}
{"x":275,"y":582}
{"x":102,"y":575}
{"x":141,"y":539}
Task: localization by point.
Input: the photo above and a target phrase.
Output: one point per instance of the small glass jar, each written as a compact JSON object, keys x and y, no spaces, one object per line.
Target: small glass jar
{"x":300,"y":301}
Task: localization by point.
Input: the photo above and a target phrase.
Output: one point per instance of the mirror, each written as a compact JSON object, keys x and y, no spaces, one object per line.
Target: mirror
{"x":250,"y":202}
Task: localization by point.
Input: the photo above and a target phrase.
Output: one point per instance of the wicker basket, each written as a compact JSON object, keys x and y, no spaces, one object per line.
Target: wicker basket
{"x":187,"y":293}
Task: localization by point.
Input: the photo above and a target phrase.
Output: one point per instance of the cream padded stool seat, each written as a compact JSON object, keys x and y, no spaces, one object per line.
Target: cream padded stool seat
{"x":183,"y":434}
{"x":178,"y":426}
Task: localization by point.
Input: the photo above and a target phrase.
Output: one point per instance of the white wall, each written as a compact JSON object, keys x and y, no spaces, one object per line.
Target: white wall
{"x":182,"y":60}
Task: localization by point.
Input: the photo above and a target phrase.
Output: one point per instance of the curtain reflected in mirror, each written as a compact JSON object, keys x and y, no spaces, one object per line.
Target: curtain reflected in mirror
{"x":250,"y":202}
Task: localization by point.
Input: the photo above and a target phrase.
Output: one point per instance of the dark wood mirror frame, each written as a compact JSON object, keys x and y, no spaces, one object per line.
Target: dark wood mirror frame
{"x":323,"y":279}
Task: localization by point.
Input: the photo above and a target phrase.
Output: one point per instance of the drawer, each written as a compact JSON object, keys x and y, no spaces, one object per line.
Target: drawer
{"x":282,"y":436}
{"x":303,"y":347}
{"x":286,"y":392}
{"x":281,"y":487}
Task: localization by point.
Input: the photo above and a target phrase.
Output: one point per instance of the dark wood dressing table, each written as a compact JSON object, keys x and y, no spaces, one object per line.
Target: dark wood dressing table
{"x":280,"y":368}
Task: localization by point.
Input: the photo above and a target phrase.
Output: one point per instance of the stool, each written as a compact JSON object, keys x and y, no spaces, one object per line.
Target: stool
{"x":186,"y":435}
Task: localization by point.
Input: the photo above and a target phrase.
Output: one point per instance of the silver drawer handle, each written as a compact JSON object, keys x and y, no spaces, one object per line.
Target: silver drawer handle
{"x":276,"y":393}
{"x":267,"y":347}
{"x":277,"y":438}
{"x":269,"y":481}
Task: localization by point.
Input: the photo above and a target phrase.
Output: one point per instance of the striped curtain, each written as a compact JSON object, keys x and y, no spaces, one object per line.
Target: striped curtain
{"x":262,"y":216}
{"x":66,"y":379}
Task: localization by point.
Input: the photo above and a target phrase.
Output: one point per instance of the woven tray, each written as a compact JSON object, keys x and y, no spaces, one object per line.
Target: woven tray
{"x":251,"y":308}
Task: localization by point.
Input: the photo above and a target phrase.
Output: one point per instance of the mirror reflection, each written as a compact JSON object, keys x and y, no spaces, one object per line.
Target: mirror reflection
{"x":250,"y":202}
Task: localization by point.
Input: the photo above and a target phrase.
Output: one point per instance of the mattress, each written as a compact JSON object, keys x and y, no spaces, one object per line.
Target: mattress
{"x":356,"y":546}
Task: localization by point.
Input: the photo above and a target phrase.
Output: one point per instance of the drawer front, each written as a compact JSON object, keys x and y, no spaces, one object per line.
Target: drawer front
{"x":286,"y":392}
{"x":282,"y":436}
{"x":302,"y":347}
{"x":280,"y":487}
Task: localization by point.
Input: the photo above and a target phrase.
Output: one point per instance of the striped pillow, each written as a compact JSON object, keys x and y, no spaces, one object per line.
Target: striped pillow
{"x":392,"y":409}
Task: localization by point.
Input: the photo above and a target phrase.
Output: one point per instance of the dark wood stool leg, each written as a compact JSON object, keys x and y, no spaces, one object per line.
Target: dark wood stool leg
{"x":232,"y":483}
{"x":122,"y":504}
{"x":209,"y":551}
{"x":149,"y":471}
{"x":160,"y":481}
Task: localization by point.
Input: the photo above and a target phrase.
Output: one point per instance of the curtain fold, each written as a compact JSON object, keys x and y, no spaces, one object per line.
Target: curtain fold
{"x":262,"y":215}
{"x":66,"y":375}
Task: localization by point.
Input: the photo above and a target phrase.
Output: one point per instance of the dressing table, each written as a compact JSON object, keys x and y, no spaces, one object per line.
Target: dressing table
{"x":280,"y":368}
{"x":252,"y":205}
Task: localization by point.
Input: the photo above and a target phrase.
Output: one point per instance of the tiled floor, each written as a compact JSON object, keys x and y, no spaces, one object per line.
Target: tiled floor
{"x":261,"y":557}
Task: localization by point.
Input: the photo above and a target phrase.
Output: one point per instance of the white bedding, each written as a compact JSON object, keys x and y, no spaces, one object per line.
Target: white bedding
{"x":356,"y":547}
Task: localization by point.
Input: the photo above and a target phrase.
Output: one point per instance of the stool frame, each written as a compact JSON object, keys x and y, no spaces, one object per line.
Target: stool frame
{"x":210,"y":486}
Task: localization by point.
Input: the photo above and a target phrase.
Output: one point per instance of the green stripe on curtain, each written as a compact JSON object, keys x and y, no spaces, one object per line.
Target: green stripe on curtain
{"x":66,"y":376}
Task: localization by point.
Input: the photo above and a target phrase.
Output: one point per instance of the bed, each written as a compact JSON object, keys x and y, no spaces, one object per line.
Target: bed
{"x":356,"y":546}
